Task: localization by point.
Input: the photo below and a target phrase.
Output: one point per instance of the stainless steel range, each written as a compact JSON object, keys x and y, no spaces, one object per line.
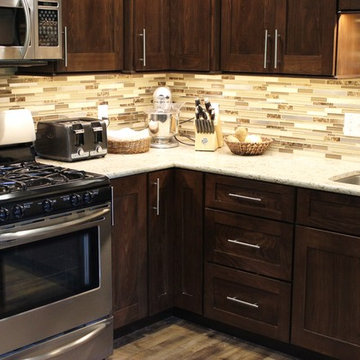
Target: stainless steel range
{"x":55,"y":258}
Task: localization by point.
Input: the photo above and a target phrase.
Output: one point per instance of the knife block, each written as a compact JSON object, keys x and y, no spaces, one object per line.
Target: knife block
{"x":210,"y":142}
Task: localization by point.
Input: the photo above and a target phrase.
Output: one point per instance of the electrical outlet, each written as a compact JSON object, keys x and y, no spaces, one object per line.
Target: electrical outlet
{"x":352,"y":124}
{"x":103,"y":113}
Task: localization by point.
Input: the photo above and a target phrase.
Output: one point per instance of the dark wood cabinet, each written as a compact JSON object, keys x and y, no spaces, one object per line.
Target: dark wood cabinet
{"x":194,"y":30}
{"x":146,"y":32}
{"x":325,"y":315}
{"x":278,"y":36}
{"x":160,"y":240}
{"x":188,"y":247}
{"x":94,"y":35}
{"x":129,"y":250}
{"x":349,"y":4}
{"x":250,"y":302}
{"x":249,"y":243}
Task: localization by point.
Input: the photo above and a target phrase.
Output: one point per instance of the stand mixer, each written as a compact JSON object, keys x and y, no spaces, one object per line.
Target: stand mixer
{"x":163,"y":120}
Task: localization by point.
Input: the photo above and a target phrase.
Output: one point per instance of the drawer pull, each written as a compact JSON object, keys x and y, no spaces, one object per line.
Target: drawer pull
{"x":245,"y":197}
{"x":244,"y":244}
{"x":256,"y":306}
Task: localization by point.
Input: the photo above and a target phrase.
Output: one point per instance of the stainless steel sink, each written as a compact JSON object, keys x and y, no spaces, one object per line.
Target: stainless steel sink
{"x":353,"y":179}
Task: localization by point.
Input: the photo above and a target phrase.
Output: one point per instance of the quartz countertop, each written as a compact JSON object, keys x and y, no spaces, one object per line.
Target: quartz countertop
{"x":302,"y":171}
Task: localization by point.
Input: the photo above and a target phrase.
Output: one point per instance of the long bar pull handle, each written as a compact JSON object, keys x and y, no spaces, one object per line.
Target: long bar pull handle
{"x":242,"y":302}
{"x":143,"y":35}
{"x":276,"y":49}
{"x":245,"y":197}
{"x":244,"y":244}
{"x":157,"y":207}
{"x":112,"y":207}
{"x":65,"y":46}
{"x":28,"y":28}
{"x":266,"y":48}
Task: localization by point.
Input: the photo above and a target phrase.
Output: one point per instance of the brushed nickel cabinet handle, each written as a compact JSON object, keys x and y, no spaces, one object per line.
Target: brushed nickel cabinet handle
{"x":157,"y":207}
{"x":266,"y":48}
{"x":242,"y":302}
{"x":276,"y":49}
{"x":65,"y":46}
{"x":143,"y":35}
{"x":245,"y":197}
{"x":244,"y":244}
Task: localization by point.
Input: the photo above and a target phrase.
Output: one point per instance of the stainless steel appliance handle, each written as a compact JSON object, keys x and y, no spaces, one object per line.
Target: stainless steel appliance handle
{"x":65,"y":46}
{"x":266,"y":48}
{"x":143,"y":35}
{"x":243,"y":243}
{"x":276,"y":49}
{"x":28,"y":27}
{"x":31,"y":233}
{"x":157,"y":207}
{"x":74,"y":344}
{"x":242,"y":302}
{"x":245,"y":197}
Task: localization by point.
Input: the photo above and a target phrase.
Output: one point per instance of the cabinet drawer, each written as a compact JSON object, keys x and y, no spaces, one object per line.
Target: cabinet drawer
{"x":337,"y":212}
{"x":251,"y":197}
{"x":250,"y":302}
{"x":258,"y":245}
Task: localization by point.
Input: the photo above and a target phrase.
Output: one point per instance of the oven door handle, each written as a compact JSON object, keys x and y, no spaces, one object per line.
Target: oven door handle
{"x":51,"y":229}
{"x":74,"y":344}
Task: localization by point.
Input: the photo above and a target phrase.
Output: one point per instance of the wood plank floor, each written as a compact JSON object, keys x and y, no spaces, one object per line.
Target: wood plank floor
{"x":178,"y":339}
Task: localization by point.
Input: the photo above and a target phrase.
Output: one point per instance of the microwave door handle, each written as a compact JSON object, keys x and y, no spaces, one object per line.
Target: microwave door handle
{"x":20,"y":236}
{"x":28,"y":28}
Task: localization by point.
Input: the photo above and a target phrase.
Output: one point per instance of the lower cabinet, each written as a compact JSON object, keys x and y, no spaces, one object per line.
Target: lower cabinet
{"x":326,"y":297}
{"x":188,"y":247}
{"x":248,"y":301}
{"x":161,"y":240}
{"x":129,"y":250}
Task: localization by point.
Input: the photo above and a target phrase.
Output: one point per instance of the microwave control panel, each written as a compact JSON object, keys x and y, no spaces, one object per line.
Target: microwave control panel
{"x":48,"y":20}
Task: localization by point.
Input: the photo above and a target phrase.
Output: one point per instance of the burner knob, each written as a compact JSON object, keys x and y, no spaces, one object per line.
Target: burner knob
{"x":18,"y":211}
{"x":47,"y":205}
{"x":87,"y":197}
{"x":4,"y":214}
{"x":75,"y":199}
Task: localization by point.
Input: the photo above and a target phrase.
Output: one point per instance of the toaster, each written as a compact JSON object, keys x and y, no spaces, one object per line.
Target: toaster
{"x":71,"y":139}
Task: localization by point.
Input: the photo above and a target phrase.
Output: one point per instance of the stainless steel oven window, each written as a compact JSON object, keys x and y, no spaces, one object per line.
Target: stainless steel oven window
{"x":43,"y":272}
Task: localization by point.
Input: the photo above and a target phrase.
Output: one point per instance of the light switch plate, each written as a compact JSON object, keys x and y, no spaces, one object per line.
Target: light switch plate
{"x":352,"y":124}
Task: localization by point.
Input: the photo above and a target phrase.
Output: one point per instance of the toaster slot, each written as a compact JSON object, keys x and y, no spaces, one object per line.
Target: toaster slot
{"x":98,"y":132}
{"x":79,"y":134}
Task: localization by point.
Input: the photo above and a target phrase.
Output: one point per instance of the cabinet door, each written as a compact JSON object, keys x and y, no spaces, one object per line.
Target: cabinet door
{"x":246,"y":35}
{"x":151,"y":24}
{"x":188,"y":248}
{"x":307,"y":46}
{"x":94,"y":35}
{"x":326,"y":294}
{"x":193,"y":25}
{"x":160,"y":240}
{"x":129,"y":250}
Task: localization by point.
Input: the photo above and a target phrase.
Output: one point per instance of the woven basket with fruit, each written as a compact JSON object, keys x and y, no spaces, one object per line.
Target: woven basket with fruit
{"x":241,"y":143}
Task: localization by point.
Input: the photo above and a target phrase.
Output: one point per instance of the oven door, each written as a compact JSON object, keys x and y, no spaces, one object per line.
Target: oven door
{"x":15,"y":29}
{"x":55,"y":276}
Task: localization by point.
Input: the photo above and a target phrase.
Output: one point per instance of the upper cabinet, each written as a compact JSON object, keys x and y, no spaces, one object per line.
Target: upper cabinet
{"x":93,"y":35}
{"x":146,"y":35}
{"x":278,"y":36}
{"x":194,"y":27}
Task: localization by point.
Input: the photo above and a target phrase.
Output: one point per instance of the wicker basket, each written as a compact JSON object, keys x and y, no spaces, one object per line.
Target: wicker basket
{"x":129,"y":146}
{"x":242,"y":148}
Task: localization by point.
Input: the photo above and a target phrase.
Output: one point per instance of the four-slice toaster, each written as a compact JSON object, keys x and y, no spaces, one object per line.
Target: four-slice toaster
{"x":71,"y":139}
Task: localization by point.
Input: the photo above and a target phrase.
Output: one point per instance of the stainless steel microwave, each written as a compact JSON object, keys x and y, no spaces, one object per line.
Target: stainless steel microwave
{"x":30,"y":30}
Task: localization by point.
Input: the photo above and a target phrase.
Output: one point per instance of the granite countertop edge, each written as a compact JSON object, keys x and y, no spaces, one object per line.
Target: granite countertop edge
{"x":311,"y":172}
